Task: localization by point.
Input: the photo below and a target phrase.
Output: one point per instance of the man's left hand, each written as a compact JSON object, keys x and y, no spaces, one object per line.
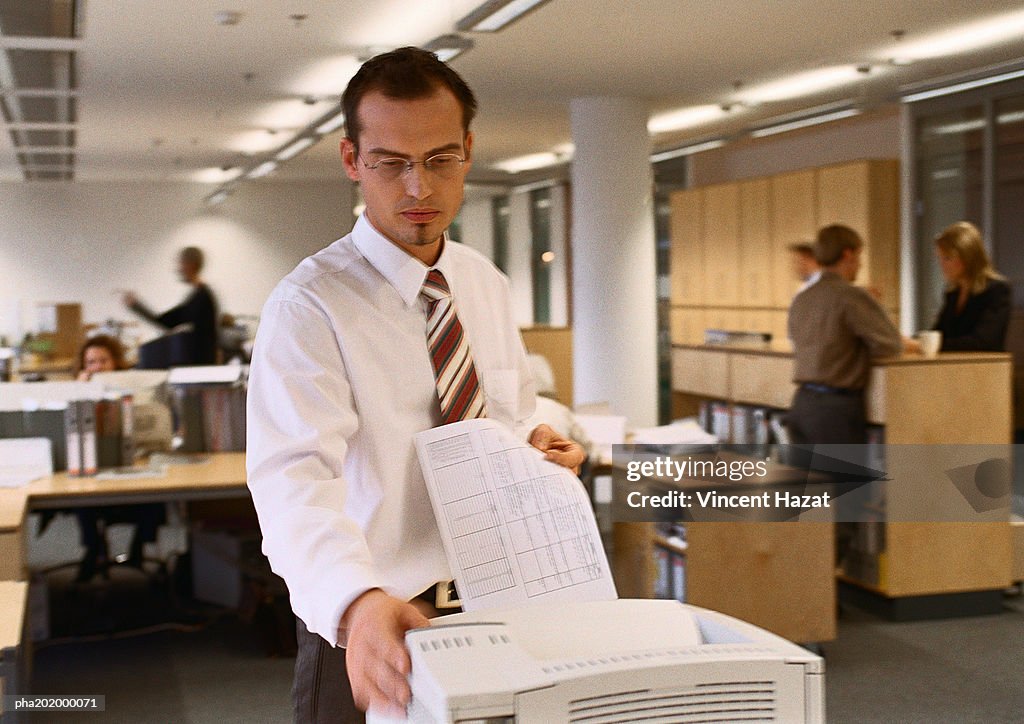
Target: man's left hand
{"x":558,"y":449}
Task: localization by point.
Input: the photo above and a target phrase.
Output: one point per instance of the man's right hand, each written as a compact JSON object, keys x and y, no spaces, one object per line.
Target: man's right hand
{"x":377,"y":661}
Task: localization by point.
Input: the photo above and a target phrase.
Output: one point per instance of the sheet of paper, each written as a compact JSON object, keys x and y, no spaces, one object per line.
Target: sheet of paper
{"x":516,"y":528}
{"x":23,"y":460}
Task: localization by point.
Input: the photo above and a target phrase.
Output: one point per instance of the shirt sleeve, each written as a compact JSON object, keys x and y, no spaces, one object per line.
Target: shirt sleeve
{"x":989,"y":334}
{"x":869,"y":322}
{"x":301,"y":416}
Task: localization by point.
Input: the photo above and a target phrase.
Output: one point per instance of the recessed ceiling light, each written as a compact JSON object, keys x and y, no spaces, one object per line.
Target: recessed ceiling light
{"x":227,"y":17}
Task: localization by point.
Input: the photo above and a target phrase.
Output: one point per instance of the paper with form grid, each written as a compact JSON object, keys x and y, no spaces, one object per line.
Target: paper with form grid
{"x":516,"y":528}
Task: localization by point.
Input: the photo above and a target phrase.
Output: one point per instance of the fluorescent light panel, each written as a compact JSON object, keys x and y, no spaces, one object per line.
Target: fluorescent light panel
{"x":964,"y":38}
{"x":684,"y":118}
{"x":263,"y":169}
{"x":801,"y":84}
{"x":331,"y":124}
{"x":803,"y":123}
{"x":294,"y":149}
{"x":496,"y":14}
{"x":961,"y":87}
{"x":449,"y":46}
{"x":530,"y":162}
{"x":217,"y":197}
{"x":687,"y":150}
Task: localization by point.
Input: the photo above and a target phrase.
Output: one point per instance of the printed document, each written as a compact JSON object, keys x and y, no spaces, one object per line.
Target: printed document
{"x":517,"y":528}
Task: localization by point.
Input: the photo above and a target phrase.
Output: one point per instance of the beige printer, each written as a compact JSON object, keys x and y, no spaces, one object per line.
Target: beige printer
{"x":609,"y":661}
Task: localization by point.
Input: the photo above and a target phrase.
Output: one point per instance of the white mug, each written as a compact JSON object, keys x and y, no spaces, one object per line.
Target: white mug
{"x":931,"y":341}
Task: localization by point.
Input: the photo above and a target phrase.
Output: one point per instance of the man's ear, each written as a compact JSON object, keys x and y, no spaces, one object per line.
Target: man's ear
{"x":349,"y":158}
{"x":468,"y":149}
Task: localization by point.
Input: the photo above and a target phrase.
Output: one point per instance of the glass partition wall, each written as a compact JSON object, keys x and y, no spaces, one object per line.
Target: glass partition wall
{"x":968,"y":165}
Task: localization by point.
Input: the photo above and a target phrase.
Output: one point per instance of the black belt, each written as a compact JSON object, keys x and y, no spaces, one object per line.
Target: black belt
{"x":442,"y":596}
{"x":827,"y":389}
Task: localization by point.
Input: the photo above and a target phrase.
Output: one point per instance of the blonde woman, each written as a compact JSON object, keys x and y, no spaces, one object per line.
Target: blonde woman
{"x":976,"y":308}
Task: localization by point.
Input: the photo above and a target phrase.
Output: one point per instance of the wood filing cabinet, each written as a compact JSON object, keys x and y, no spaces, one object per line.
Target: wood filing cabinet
{"x":756,"y":257}
{"x":721,"y":224}
{"x":687,"y":252}
{"x":793,"y":221}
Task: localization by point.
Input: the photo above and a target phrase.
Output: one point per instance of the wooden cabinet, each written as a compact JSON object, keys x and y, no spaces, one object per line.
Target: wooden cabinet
{"x":730,"y":255}
{"x":686,"y":265}
{"x":793,"y":221}
{"x":721,"y":223}
{"x":756,"y":257}
{"x":865,"y":196}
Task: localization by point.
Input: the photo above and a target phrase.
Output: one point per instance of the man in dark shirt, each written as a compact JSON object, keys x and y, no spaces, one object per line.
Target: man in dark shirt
{"x":199,"y":309}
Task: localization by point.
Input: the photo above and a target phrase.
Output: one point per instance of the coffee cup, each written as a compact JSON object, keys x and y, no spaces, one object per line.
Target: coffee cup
{"x":931,"y":341}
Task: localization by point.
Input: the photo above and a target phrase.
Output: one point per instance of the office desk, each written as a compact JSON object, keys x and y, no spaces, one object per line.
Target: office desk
{"x":221,"y":475}
{"x":14,"y":656}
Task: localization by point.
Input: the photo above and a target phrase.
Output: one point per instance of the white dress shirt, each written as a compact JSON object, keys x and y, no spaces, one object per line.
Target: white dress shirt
{"x":340,"y":381}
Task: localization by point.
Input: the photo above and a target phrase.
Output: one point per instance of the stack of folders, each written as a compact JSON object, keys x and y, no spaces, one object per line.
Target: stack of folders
{"x":98,"y":434}
{"x":212,"y":417}
{"x":223,"y":418}
{"x":670,"y":562}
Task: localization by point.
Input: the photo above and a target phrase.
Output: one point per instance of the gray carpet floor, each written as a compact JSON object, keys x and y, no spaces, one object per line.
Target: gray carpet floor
{"x":960,"y":670}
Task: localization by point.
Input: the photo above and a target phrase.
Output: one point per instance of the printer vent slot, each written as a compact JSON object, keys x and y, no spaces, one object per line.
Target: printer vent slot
{"x":742,"y":701}
{"x":446,"y":642}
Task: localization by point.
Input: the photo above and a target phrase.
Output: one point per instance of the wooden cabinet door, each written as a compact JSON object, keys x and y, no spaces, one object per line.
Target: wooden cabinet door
{"x":686,"y":259}
{"x":793,"y":221}
{"x":721,"y":244}
{"x":755,"y":252}
{"x":864,"y":195}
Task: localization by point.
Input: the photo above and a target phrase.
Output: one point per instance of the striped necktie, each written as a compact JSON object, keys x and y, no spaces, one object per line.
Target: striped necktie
{"x":458,"y":388}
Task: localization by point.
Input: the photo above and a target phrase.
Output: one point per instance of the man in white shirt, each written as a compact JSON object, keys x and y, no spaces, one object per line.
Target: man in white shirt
{"x":805,"y":266}
{"x":342,"y":378}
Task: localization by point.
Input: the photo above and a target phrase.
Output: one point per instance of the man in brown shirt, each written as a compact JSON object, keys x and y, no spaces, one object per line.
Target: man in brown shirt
{"x":837,"y":329}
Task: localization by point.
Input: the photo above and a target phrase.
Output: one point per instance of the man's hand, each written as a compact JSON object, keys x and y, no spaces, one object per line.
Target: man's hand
{"x":911,"y":346}
{"x":558,"y":449}
{"x":377,"y":661}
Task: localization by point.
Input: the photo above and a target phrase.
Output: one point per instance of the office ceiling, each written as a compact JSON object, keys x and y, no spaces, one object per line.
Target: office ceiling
{"x":150,"y":89}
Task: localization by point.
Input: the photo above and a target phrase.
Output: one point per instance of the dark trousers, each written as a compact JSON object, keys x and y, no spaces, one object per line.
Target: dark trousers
{"x":321,"y":692}
{"x":831,"y":418}
{"x":828,"y":418}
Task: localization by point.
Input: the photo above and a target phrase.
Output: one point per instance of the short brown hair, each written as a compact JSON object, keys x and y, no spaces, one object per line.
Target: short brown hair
{"x":192,"y":255}
{"x":407,"y":73}
{"x":964,"y":239}
{"x":111,"y":344}
{"x":802,"y":248}
{"x":832,"y":241}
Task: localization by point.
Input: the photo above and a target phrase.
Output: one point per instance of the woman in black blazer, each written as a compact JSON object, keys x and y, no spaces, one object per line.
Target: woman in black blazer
{"x":976,"y":308}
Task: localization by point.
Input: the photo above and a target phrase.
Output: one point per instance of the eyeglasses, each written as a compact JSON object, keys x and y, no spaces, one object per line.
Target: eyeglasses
{"x":442,"y":165}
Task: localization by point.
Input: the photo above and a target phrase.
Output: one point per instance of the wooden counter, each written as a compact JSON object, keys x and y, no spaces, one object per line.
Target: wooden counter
{"x":954,"y":399}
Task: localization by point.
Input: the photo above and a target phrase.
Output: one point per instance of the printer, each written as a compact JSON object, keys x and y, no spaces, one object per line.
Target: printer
{"x":626,"y":660}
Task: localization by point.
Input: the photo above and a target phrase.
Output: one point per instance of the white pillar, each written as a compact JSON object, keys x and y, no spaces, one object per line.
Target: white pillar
{"x":613,"y":258}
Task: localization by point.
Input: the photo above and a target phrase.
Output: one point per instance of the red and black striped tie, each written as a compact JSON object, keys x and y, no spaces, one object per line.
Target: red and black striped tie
{"x":458,"y":388}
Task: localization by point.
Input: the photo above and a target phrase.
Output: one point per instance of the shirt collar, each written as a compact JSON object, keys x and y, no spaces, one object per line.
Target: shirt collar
{"x":403,"y":271}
